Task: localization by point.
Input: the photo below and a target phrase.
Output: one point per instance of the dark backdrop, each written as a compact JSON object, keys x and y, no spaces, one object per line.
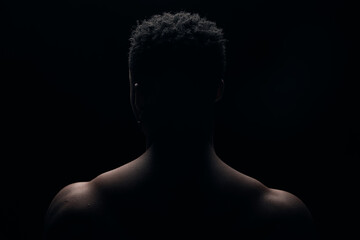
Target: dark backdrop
{"x":288,"y":116}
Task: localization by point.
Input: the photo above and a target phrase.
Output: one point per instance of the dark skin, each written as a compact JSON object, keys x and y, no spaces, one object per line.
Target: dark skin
{"x":178,"y":189}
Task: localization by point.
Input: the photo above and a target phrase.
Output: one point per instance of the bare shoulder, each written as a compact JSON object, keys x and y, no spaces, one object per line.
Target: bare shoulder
{"x":274,"y":203}
{"x":275,"y":214}
{"x":74,"y":196}
{"x":283,"y":202}
{"x":288,"y":215}
{"x":72,"y":211}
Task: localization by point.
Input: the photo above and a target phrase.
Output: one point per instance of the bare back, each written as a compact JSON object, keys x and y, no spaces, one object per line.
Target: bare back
{"x":137,"y":201}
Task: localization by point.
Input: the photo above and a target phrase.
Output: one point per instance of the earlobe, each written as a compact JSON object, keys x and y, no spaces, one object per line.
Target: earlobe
{"x":220,"y":91}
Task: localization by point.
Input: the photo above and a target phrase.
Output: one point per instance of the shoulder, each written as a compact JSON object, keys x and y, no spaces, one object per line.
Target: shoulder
{"x":72,"y":211}
{"x":282,"y":204}
{"x":76,"y":196}
{"x":289,"y":216}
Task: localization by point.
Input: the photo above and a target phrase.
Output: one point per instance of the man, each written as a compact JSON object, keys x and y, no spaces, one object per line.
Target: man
{"x":179,"y":188}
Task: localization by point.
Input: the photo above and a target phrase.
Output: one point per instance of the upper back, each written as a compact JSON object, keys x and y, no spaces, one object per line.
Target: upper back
{"x":131,"y":203}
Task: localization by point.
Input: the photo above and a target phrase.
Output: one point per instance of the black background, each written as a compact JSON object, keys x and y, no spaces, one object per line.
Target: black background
{"x":288,"y":116}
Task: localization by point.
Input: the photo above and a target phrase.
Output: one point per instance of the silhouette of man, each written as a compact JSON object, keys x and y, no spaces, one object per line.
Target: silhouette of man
{"x":178,"y":188}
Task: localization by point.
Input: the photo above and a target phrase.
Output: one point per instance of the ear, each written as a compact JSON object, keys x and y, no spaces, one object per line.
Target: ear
{"x":136,"y":99}
{"x":138,"y":102}
{"x":139,"y":98}
{"x":220,"y":91}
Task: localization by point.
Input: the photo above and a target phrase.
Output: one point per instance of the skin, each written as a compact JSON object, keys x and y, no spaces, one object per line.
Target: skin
{"x":178,"y":189}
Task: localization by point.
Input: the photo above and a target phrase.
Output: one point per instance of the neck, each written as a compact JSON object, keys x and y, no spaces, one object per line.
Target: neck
{"x":181,"y":152}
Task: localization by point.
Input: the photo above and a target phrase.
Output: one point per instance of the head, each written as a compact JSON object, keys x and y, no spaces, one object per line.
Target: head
{"x":176,"y":67}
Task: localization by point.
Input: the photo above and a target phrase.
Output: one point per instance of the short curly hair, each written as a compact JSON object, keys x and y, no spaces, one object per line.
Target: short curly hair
{"x":179,"y":44}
